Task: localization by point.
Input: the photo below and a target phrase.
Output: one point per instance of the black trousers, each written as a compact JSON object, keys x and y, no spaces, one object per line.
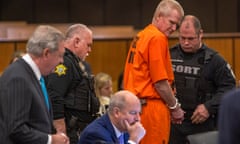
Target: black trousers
{"x":76,"y":121}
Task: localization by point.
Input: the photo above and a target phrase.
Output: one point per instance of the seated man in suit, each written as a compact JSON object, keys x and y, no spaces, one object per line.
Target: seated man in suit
{"x":122,"y":120}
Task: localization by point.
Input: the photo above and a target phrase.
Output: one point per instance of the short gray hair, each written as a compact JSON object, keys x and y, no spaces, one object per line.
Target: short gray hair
{"x":44,"y":36}
{"x":77,"y":29}
{"x":121,"y":100}
{"x":118,"y":99}
{"x":166,"y":6}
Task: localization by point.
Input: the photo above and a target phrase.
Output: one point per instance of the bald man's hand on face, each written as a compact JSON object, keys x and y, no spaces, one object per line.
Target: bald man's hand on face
{"x":136,"y":131}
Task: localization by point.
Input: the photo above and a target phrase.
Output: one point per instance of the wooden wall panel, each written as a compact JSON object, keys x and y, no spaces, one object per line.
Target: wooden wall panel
{"x":205,"y":10}
{"x":6,"y":51}
{"x":227,"y":13}
{"x":108,"y":57}
{"x":223,"y":45}
{"x":122,"y":12}
{"x":172,"y":42}
{"x":13,"y":10}
{"x":147,"y":9}
{"x":21,"y":46}
{"x":237,"y":58}
{"x":89,"y":12}
{"x":50,"y":11}
{"x":215,"y":15}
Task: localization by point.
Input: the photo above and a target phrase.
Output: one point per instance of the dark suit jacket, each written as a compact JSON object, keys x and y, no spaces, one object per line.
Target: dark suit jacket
{"x":229,"y":126}
{"x":24,"y":117}
{"x":100,"y":131}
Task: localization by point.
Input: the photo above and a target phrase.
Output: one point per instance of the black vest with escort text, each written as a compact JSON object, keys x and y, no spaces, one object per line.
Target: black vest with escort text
{"x":188,"y":69}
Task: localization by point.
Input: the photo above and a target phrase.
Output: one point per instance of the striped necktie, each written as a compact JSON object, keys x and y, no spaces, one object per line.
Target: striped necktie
{"x":44,"y":90}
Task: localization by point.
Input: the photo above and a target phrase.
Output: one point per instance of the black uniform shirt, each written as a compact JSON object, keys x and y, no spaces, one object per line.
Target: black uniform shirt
{"x":59,"y":82}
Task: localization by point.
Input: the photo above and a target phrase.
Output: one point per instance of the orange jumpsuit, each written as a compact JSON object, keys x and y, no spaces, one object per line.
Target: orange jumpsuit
{"x":149,"y":61}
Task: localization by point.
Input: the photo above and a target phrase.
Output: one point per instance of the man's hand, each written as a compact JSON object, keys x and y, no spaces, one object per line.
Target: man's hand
{"x":60,"y":125}
{"x":177,"y":115}
{"x":60,"y":138}
{"x":136,"y":131}
{"x":200,"y":114}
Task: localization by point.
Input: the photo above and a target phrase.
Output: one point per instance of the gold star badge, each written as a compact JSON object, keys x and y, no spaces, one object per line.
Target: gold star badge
{"x":60,"y":70}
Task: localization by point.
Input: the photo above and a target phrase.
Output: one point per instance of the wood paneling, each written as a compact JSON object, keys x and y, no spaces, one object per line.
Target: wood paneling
{"x":172,"y":42}
{"x":21,"y":46}
{"x":215,"y":15}
{"x":205,"y":10}
{"x":237,"y":58}
{"x":108,"y":57}
{"x":110,"y":51}
{"x":6,"y":51}
{"x":147,"y":10}
{"x":89,"y":12}
{"x":15,"y":10}
{"x":223,"y":45}
{"x":122,"y":12}
{"x":50,"y":11}
{"x":227,"y":12}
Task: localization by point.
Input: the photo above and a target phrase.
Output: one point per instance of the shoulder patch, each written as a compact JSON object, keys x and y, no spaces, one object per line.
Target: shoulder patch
{"x":60,"y":70}
{"x":230,"y":69}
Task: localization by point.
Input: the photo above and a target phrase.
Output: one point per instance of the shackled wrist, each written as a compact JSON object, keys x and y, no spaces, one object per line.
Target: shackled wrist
{"x":176,"y":105}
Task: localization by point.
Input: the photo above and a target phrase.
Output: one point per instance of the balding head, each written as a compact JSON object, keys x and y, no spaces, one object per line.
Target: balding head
{"x":122,"y":99}
{"x":124,"y":107}
{"x":190,"y":34}
{"x":189,"y":22}
{"x":79,"y":39}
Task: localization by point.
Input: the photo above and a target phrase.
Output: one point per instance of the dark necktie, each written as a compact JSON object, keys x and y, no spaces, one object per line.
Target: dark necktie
{"x":44,"y":90}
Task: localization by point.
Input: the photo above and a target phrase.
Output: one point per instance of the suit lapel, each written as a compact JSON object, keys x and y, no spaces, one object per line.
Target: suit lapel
{"x":110,"y":127}
{"x":37,"y":86}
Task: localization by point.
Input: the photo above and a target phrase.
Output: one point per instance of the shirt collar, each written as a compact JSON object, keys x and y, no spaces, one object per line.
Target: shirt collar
{"x":27,"y":58}
{"x":117,"y":132}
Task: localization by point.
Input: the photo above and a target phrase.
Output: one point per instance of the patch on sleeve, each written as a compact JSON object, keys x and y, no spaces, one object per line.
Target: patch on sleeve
{"x":60,"y":70}
{"x":230,"y":69}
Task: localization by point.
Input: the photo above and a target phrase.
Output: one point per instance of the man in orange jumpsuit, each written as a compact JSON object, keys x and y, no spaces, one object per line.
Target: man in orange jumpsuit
{"x":148,"y":73}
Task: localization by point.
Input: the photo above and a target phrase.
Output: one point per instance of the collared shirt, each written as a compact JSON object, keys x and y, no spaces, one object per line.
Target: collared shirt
{"x":27,"y":58}
{"x":118,"y":133}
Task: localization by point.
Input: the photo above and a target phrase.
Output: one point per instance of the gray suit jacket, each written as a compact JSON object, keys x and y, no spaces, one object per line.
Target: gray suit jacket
{"x":24,"y":117}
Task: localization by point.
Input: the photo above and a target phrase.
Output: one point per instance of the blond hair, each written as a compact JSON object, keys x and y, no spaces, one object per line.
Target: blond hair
{"x":100,"y":80}
{"x":165,"y":7}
